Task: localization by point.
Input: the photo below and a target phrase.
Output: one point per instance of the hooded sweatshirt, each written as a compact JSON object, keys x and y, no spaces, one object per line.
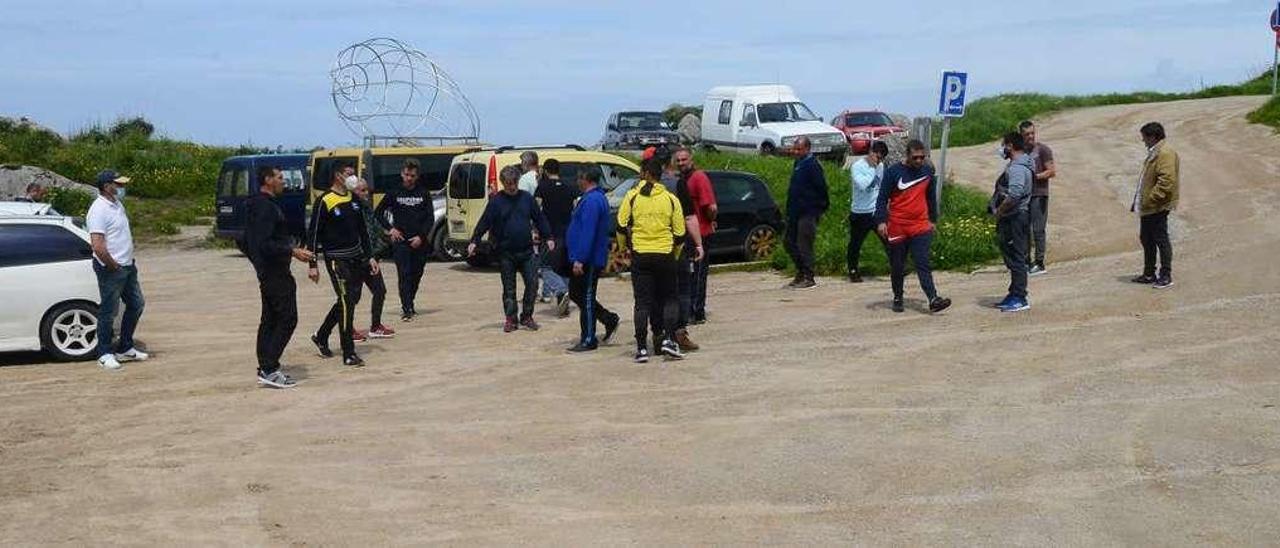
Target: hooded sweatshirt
{"x":1020,"y":174}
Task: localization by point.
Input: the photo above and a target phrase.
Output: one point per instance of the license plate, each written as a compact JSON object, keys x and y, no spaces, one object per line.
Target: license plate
{"x":821,"y":150}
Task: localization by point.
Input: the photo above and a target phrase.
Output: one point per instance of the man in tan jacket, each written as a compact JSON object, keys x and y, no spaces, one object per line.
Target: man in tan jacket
{"x":1157,"y":195}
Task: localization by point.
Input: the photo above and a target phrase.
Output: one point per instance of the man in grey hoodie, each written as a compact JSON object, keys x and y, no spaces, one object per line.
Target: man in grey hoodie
{"x":1009,"y":204}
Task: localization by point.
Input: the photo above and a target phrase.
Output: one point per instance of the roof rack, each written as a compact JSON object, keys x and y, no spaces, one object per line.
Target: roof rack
{"x":509,"y":148}
{"x":374,"y":141}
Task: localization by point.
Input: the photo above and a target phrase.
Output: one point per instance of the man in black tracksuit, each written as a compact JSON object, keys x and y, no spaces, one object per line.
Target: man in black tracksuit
{"x":511,"y":216}
{"x":338,"y":231}
{"x":269,"y":247}
{"x":413,"y":215}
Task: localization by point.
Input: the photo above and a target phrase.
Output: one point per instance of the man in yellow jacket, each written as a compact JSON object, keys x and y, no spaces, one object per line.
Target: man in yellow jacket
{"x":1156,"y":196}
{"x":652,"y":225}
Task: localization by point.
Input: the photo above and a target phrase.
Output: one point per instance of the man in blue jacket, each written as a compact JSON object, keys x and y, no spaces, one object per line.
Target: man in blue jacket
{"x":806,"y":201}
{"x":588,"y":244}
{"x":512,"y":215}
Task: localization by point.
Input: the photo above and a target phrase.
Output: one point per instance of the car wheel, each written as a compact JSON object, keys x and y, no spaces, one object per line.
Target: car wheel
{"x":69,"y":332}
{"x":443,"y":251}
{"x":768,"y":149}
{"x":618,"y":260}
{"x":759,"y":243}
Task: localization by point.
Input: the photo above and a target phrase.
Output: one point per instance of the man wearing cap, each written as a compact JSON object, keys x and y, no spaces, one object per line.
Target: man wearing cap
{"x":117,"y":273}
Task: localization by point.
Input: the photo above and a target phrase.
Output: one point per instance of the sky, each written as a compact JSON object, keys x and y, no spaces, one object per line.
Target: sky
{"x":257,"y":72}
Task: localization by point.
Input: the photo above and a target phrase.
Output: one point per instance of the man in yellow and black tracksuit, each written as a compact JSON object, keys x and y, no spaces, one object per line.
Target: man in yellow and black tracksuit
{"x":338,"y":232}
{"x":652,"y":222}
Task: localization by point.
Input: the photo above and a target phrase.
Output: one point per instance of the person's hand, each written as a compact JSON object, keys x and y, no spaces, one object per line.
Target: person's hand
{"x":577,"y":269}
{"x":471,"y":249}
{"x":883,"y":230}
{"x":396,"y":235}
{"x":551,"y":245}
{"x":303,"y":254}
{"x":698,"y":253}
{"x":415,"y":242}
{"x":714,"y":226}
{"x":314,"y":274}
{"x":374,"y":267}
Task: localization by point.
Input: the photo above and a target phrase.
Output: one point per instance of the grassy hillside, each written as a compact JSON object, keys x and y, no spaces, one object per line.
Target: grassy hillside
{"x":987,"y":119}
{"x":965,"y":233}
{"x":1268,"y":114}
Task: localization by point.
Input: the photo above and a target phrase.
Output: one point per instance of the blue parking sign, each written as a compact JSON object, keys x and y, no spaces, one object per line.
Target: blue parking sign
{"x":951,"y":99}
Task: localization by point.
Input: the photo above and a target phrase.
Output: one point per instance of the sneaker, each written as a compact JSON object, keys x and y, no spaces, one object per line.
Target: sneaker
{"x":407,"y":317}
{"x":277,"y":379}
{"x":686,"y":344}
{"x":577,"y":348}
{"x":562,"y":305}
{"x":359,"y":335}
{"x":381,"y":332}
{"x":1163,"y":283}
{"x":322,"y":347}
{"x":1036,"y":270}
{"x":796,"y":281}
{"x":353,"y":361}
{"x":132,"y":355}
{"x":108,"y":362}
{"x":671,"y":349}
{"x":528,"y":323}
{"x":1005,"y":302}
{"x":806,"y":283}
{"x":938,"y":304}
{"x":642,"y":355}
{"x":510,"y":325}
{"x":1016,"y":304}
{"x":544,"y":299}
{"x":609,"y":328}
{"x":1145,"y":279}
{"x":855,"y":277}
{"x":898,"y":306}
{"x":698,"y":320}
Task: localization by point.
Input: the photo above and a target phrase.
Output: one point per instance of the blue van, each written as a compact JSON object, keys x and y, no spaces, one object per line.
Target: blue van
{"x":236,"y":183}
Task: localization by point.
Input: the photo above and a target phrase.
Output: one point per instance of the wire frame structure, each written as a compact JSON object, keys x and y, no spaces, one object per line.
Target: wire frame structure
{"x":383,"y":89}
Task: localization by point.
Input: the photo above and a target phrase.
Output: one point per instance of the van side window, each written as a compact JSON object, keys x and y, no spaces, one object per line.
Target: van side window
{"x":726,"y":112}
{"x":748,"y":115}
{"x":240,"y":183}
{"x":293,"y":180}
{"x":224,"y":183}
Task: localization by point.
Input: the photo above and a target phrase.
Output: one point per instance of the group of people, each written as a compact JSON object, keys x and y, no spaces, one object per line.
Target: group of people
{"x":565,"y":231}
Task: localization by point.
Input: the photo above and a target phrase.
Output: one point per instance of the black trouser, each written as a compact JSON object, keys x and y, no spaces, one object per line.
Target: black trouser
{"x":524,"y":263}
{"x":377,"y":295}
{"x":347,"y":277}
{"x":918,"y":248}
{"x":860,"y":224}
{"x":1154,"y":233}
{"x":799,"y":243}
{"x":410,"y":264}
{"x":1013,"y":233}
{"x":684,"y":288}
{"x":582,"y":291}
{"x":279,"y":318}
{"x":700,"y":271}
{"x":653,"y":281}
{"x":1039,"y":217}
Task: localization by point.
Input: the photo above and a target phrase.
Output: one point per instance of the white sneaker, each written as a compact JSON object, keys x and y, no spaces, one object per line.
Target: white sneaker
{"x":108,"y":362}
{"x":133,"y":355}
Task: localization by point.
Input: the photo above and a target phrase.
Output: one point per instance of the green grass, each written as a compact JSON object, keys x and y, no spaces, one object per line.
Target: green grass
{"x":1268,"y":113}
{"x":989,"y":118}
{"x":965,"y":237}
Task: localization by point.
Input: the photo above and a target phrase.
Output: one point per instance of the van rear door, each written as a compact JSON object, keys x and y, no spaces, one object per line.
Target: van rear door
{"x":467,"y":197}
{"x":232,"y":189}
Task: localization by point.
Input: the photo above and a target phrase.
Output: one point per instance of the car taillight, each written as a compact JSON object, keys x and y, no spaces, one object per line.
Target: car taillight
{"x":493,"y":174}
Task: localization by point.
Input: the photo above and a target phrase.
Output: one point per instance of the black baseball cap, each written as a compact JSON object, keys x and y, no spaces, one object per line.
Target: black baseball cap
{"x":110,"y":176}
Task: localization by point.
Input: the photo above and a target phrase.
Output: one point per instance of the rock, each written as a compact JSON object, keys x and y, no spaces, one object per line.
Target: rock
{"x":897,"y":143}
{"x":901,"y":120}
{"x":26,"y":123}
{"x":690,"y":129}
{"x":14,"y":181}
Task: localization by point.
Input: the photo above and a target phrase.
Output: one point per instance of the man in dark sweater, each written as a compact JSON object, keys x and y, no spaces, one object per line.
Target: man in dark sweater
{"x":906,"y":210}
{"x":412,"y":217}
{"x":555,"y":197}
{"x":806,"y":202}
{"x":268,"y":246}
{"x":511,"y":216}
{"x":338,"y":231}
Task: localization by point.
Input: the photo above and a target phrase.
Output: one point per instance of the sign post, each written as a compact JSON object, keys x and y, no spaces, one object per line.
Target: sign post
{"x":1275,"y":52}
{"x":950,"y":105}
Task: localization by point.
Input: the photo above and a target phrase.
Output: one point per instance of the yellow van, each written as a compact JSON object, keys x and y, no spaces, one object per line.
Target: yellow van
{"x":473,"y":176}
{"x":380,"y":166}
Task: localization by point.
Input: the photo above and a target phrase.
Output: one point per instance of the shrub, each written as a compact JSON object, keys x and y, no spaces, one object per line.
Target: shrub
{"x":1268,"y":113}
{"x":70,"y":202}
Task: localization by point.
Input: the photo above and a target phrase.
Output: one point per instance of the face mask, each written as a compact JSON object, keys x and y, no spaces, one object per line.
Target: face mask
{"x":1001,"y":152}
{"x":119,"y":193}
{"x":351,"y":181}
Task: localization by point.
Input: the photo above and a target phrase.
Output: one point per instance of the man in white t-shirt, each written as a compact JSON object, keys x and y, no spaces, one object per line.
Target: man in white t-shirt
{"x":117,"y":272}
{"x":529,"y":179}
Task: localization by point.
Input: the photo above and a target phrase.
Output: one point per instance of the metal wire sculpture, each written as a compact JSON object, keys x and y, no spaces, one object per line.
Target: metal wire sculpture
{"x":384,"y":89}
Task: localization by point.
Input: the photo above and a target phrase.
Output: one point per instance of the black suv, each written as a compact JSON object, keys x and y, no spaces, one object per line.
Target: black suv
{"x":637,"y":130}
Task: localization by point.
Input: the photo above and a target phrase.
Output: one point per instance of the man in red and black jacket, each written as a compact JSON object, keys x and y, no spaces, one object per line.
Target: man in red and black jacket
{"x":906,"y":211}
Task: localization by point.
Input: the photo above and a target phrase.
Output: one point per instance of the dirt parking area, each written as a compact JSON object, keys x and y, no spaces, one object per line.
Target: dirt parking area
{"x":1108,"y":414}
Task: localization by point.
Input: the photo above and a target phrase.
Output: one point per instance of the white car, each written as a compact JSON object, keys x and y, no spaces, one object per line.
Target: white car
{"x":48,"y":287}
{"x":766,"y":119}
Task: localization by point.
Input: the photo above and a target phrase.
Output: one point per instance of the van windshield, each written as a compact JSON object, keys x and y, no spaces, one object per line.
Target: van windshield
{"x":784,"y":112}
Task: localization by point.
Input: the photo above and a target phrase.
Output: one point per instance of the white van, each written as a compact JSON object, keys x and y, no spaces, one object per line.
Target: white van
{"x":765,"y":119}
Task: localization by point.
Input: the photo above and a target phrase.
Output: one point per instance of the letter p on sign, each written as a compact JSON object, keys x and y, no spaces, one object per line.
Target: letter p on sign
{"x":951,"y":99}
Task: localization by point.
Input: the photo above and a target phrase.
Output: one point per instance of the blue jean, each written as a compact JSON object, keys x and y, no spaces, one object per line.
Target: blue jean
{"x":553,"y":285}
{"x":114,"y":286}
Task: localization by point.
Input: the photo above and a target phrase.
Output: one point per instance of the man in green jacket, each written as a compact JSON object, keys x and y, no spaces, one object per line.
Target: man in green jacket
{"x":1156,"y":196}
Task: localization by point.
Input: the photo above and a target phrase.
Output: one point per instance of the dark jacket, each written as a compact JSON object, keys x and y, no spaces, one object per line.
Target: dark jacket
{"x":511,"y":219}
{"x":412,"y":211}
{"x":337,"y":227}
{"x":375,"y":224}
{"x":590,"y":230}
{"x":807,"y":195}
{"x":267,"y":243}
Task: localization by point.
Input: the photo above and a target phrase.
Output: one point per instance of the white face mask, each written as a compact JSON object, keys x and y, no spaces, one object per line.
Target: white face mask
{"x":351,"y":181}
{"x":120,"y":193}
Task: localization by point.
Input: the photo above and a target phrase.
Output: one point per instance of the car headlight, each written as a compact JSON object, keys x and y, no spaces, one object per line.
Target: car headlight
{"x":788,"y":142}
{"x":861,"y":135}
